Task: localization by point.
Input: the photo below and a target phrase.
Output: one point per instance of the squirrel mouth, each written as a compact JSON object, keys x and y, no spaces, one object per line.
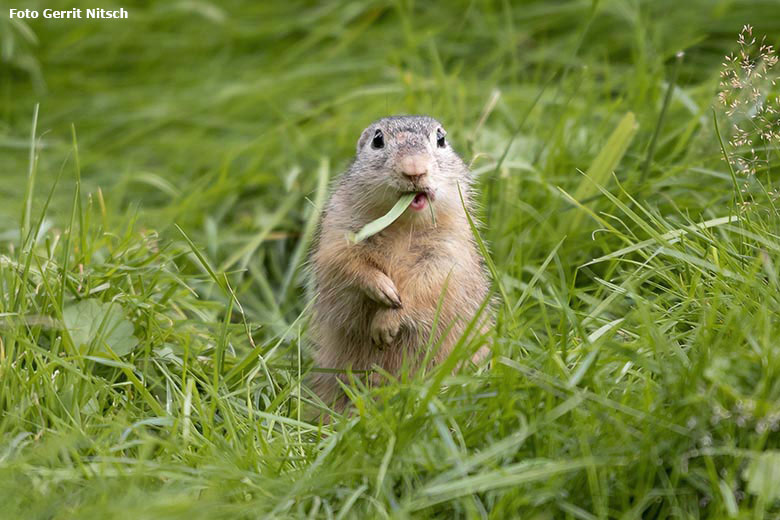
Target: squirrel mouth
{"x":420,"y":201}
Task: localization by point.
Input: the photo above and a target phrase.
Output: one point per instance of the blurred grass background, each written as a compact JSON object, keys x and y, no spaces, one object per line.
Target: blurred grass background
{"x":645,"y":385}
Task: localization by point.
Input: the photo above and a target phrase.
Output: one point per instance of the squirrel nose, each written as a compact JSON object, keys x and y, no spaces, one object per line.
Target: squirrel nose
{"x":414,"y":166}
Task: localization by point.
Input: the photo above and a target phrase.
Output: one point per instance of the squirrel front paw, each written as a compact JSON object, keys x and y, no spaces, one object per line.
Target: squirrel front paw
{"x":382,"y":290}
{"x":385,"y":326}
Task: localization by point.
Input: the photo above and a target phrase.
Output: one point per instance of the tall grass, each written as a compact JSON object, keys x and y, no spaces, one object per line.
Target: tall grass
{"x":162,"y":180}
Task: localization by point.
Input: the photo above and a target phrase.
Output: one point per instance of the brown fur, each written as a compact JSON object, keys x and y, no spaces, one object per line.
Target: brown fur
{"x":376,"y":301}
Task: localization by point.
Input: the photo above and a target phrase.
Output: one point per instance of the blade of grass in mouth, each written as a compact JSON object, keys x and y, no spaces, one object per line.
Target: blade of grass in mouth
{"x":375,"y":226}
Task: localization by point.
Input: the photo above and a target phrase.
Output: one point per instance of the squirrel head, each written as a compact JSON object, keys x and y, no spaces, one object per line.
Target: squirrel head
{"x":409,"y":154}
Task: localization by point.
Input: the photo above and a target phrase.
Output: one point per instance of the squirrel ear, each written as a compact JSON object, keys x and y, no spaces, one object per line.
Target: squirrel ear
{"x":364,"y":137}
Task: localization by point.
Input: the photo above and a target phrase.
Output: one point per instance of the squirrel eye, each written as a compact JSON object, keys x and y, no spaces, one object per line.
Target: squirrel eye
{"x":379,"y":140}
{"x":440,"y":142}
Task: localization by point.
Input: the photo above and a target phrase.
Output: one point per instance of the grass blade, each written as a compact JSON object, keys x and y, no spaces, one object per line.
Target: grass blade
{"x":375,"y":226}
{"x":605,"y":163}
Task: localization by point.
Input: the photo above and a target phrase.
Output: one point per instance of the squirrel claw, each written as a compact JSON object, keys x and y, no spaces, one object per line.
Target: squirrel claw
{"x":385,"y":326}
{"x":384,"y":292}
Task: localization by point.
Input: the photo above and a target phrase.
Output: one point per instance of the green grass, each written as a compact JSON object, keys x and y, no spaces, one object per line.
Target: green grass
{"x":158,"y":209}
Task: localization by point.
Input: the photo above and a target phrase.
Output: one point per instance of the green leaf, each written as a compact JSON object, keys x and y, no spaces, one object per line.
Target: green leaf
{"x":763,"y":476}
{"x":375,"y":226}
{"x":103,"y":324}
{"x":605,"y":163}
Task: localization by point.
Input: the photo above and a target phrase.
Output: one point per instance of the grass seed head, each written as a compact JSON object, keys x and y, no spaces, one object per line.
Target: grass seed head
{"x":751,"y":102}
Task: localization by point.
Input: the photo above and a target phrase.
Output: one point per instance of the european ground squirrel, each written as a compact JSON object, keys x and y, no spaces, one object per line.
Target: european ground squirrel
{"x":376,"y":301}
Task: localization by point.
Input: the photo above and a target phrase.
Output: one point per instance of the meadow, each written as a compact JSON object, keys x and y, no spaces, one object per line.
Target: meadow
{"x":161,"y":181}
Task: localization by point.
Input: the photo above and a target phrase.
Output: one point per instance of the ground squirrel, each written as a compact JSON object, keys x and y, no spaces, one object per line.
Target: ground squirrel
{"x":376,"y":300}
